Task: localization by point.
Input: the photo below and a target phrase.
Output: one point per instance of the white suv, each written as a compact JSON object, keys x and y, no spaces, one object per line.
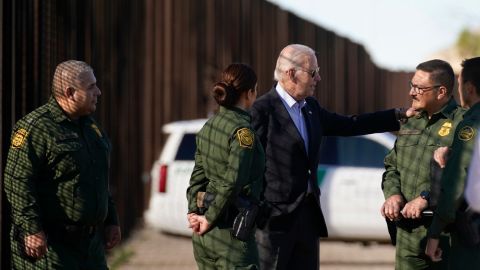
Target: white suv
{"x":349,"y":176}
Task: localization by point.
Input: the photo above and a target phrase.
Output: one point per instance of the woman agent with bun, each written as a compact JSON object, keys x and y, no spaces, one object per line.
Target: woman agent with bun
{"x":229,"y":167}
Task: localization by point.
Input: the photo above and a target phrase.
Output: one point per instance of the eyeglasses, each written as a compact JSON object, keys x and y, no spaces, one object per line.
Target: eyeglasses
{"x":421,"y":90}
{"x":312,"y":72}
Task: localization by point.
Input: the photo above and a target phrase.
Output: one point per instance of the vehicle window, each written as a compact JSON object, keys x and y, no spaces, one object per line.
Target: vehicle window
{"x":186,"y":150}
{"x":352,"y":151}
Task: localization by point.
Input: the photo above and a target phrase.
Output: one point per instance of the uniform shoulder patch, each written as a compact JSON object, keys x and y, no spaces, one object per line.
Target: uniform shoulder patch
{"x":466,"y":133}
{"x":19,"y":137}
{"x":245,"y":137}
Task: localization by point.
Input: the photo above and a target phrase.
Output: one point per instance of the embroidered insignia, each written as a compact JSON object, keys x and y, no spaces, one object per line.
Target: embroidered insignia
{"x":245,"y":137}
{"x":466,"y":133}
{"x":445,"y":129}
{"x":19,"y":138}
{"x":97,"y":130}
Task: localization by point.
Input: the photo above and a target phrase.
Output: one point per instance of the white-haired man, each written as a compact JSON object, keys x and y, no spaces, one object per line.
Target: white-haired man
{"x":290,"y":124}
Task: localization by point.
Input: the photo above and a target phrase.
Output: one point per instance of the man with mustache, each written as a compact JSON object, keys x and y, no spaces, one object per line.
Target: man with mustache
{"x":407,"y":179}
{"x":56,"y":179}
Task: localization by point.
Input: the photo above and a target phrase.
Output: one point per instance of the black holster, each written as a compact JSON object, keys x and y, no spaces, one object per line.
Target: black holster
{"x":244,"y":222}
{"x":250,"y":213}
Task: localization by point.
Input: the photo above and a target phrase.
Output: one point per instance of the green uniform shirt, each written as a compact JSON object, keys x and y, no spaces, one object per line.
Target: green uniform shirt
{"x":57,"y":171}
{"x":455,"y":172}
{"x":229,"y":161}
{"x":407,"y":166}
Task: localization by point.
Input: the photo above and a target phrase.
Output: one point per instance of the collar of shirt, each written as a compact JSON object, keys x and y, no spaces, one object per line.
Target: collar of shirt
{"x":447,"y":111}
{"x":59,"y":115}
{"x":288,"y":100}
{"x":57,"y":112}
{"x":473,"y":110}
{"x":449,"y":108}
{"x":238,"y":111}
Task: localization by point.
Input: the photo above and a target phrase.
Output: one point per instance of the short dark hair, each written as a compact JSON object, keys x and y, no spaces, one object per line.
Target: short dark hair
{"x":471,"y":72}
{"x":441,"y":72}
{"x":236,"y":79}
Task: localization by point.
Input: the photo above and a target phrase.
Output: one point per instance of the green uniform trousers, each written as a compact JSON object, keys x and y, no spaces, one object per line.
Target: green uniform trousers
{"x":218,"y":249}
{"x":64,"y":253}
{"x":410,"y":253}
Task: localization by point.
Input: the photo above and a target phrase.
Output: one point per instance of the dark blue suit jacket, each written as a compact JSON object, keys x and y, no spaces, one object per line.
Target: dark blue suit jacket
{"x":288,"y":167}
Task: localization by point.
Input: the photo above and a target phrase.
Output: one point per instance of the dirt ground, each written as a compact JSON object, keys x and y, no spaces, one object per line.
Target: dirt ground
{"x":148,"y":249}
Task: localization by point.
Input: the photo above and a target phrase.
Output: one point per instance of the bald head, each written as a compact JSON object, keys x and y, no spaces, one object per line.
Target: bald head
{"x":67,"y":74}
{"x":292,"y":56}
{"x":75,"y":88}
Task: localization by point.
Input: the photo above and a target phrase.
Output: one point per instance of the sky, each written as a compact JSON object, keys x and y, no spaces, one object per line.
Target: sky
{"x":398,"y":34}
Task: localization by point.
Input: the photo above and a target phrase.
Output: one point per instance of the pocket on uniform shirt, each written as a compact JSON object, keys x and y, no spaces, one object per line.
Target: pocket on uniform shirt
{"x":408,"y":139}
{"x":67,"y":155}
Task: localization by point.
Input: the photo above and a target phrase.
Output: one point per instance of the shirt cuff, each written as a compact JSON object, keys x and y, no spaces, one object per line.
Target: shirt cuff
{"x":391,"y":191}
{"x":436,"y":228}
{"x":31,"y":227}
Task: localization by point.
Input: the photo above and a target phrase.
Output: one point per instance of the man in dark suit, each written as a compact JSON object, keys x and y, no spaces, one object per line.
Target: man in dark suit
{"x":290,"y":124}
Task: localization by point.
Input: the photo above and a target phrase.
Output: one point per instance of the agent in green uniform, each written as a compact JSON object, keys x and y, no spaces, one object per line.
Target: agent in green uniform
{"x":454,"y":175}
{"x":228,"y":173}
{"x":56,"y":179}
{"x":406,"y":181}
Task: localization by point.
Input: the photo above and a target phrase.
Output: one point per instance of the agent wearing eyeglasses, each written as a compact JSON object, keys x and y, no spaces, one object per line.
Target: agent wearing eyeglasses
{"x":290,"y":124}
{"x":407,"y":180}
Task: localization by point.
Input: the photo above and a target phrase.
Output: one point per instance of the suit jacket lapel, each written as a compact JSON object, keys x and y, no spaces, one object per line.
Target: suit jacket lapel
{"x":313,"y":127}
{"x":307,"y":114}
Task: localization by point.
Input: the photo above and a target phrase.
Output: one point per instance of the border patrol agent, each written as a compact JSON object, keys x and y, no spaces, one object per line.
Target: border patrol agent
{"x":229,"y":165}
{"x":56,"y":179}
{"x":451,"y":202}
{"x":406,"y":182}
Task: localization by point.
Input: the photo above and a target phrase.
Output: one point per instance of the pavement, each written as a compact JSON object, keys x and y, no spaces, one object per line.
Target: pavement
{"x":149,"y":249}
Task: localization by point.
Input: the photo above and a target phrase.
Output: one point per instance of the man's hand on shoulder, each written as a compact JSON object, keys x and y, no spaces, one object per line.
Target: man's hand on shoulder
{"x":411,"y":112}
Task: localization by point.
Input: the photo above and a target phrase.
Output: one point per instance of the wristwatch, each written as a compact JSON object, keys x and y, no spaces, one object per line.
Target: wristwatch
{"x":425,"y":195}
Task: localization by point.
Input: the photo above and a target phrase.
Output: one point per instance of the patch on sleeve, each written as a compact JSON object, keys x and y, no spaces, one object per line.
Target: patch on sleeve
{"x":245,"y":137}
{"x":19,"y":138}
{"x":466,"y":133}
{"x":445,"y":129}
{"x":97,"y":130}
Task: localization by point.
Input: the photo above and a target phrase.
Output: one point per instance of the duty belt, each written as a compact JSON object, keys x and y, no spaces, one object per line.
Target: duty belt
{"x":69,"y":230}
{"x":84,"y":230}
